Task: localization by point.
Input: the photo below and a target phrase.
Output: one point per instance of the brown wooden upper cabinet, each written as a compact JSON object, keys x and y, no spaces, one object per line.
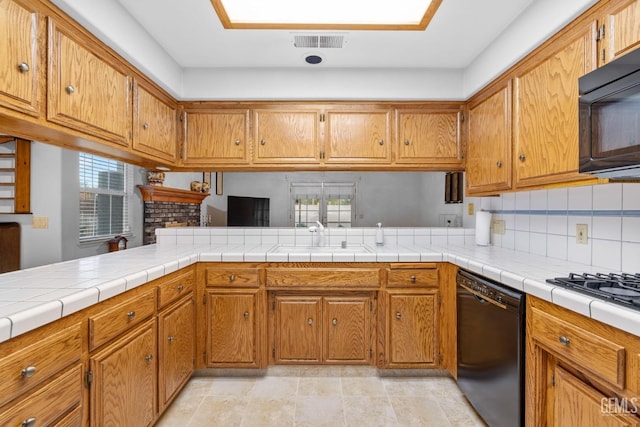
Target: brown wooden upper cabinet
{"x":546,"y":110}
{"x":215,"y":136}
{"x":619,"y":30}
{"x":357,"y":136}
{"x":489,"y":145}
{"x":88,"y":90}
{"x":430,"y":136}
{"x":286,"y":136}
{"x":19,"y":57}
{"x":154,"y":123}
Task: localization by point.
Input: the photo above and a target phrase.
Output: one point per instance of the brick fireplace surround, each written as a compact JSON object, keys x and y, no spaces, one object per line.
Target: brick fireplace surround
{"x":164,"y":205}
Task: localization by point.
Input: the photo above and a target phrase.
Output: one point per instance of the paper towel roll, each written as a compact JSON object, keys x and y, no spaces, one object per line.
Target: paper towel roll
{"x":483,"y":228}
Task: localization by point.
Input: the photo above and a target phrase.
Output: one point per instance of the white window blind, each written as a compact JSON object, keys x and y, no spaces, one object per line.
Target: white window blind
{"x":104,"y":184}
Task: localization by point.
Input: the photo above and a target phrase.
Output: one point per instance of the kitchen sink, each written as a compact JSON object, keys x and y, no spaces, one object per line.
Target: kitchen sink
{"x":280,"y":249}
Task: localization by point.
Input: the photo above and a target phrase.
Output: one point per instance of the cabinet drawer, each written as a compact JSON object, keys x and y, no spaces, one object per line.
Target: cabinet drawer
{"x":112,"y":322}
{"x":411,"y":278}
{"x":242,"y":277}
{"x":593,"y":352}
{"x":48,"y":403}
{"x":175,"y":288}
{"x":368,"y":278}
{"x":24,"y":369}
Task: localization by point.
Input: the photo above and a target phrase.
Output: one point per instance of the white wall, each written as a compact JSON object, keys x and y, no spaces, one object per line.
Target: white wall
{"x":397,"y":199}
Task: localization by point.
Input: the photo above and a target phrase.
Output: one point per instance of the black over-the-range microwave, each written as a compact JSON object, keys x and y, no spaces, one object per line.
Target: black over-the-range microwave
{"x":610,"y":119}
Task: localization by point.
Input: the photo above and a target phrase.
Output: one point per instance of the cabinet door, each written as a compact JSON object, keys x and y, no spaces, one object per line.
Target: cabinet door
{"x":176,"y":334}
{"x":286,"y":136}
{"x":123,"y":391}
{"x":358,"y":136}
{"x":413,"y":329}
{"x":546,"y":115}
{"x":232,"y":328}
{"x":347,"y":329}
{"x":87,"y":92}
{"x":489,"y":147}
{"x":215,"y":136}
{"x":428,"y":137}
{"x":621,"y":30}
{"x":579,"y":405}
{"x":19,"y":67}
{"x":298,"y":325}
{"x":154,"y":124}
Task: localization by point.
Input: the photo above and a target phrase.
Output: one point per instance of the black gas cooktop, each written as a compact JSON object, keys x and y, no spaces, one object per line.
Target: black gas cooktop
{"x":619,"y":288}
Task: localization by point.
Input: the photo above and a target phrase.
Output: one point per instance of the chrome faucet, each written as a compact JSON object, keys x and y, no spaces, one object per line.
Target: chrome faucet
{"x":319,"y":229}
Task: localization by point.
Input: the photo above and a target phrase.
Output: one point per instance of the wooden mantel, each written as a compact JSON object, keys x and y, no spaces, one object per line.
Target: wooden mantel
{"x":158,"y":193}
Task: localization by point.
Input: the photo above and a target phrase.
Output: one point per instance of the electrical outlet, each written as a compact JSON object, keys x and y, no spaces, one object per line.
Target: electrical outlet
{"x":40,"y":222}
{"x":471,"y":209}
{"x":499,"y":226}
{"x":581,"y":234}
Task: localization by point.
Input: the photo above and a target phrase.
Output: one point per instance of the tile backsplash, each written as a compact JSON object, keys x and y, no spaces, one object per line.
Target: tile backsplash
{"x":544,"y":222}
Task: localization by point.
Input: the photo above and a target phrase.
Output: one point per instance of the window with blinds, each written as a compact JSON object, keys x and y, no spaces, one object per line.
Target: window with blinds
{"x":104,"y":184}
{"x":330,"y":203}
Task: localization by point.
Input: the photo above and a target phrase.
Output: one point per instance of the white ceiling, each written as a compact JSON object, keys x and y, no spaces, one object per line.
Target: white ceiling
{"x":191,"y":33}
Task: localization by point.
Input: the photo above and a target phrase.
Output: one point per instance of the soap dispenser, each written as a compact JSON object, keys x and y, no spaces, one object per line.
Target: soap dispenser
{"x":379,"y":235}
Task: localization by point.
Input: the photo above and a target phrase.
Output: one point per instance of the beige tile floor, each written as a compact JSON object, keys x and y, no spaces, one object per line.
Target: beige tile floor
{"x":321,"y":396}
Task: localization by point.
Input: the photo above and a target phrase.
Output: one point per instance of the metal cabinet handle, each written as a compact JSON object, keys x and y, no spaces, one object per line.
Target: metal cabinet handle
{"x":180,"y":288}
{"x":262,"y":141}
{"x":406,"y":142}
{"x":131,"y":314}
{"x":564,"y":340}
{"x":70,"y":89}
{"x":149,"y":358}
{"x":522,"y":157}
{"x":413,"y":279}
{"x":381,"y":142}
{"x":310,"y":321}
{"x":334,"y":322}
{"x":246,"y":314}
{"x":171,"y":339}
{"x":499,"y":163}
{"x":28,"y":372}
{"x":145,"y":126}
{"x":23,"y":67}
{"x":237,"y":142}
{"x":29,"y":422}
{"x":398,"y":316}
{"x":232,"y":277}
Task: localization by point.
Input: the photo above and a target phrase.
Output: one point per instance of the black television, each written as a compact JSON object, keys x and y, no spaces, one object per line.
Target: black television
{"x":247,"y":211}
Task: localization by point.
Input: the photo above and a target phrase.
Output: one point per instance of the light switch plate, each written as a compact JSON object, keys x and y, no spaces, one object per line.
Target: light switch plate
{"x":40,"y":222}
{"x":582,"y":234}
{"x":471,"y":209}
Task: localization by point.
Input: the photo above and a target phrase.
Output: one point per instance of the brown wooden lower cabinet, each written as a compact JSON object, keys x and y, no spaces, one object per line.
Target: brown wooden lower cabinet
{"x":123,"y":390}
{"x":232,"y":328}
{"x":412,"y":320}
{"x":322,"y":329}
{"x":176,"y":346}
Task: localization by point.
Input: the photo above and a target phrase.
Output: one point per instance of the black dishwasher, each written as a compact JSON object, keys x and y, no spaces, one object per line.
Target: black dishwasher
{"x":491,"y":348}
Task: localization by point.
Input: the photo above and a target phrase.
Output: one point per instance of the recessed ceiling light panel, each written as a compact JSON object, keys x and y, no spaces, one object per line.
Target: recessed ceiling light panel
{"x":328,"y":14}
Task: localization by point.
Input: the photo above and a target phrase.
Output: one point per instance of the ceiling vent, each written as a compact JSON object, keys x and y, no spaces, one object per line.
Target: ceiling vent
{"x":318,"y":41}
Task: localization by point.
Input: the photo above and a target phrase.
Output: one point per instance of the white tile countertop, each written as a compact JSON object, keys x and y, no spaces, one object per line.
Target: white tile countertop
{"x":33,"y":297}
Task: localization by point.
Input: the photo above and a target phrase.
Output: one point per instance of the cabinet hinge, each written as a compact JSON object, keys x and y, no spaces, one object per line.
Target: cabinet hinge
{"x":601,"y":33}
{"x":204,"y":299}
{"x":183,"y":116}
{"x":88,"y":378}
{"x":553,"y":380}
{"x":273,"y":352}
{"x":204,"y":357}
{"x":439,"y":359}
{"x":273,"y":305}
{"x":461,"y":118}
{"x":370,"y":305}
{"x":439,"y":299}
{"x":371,"y":353}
